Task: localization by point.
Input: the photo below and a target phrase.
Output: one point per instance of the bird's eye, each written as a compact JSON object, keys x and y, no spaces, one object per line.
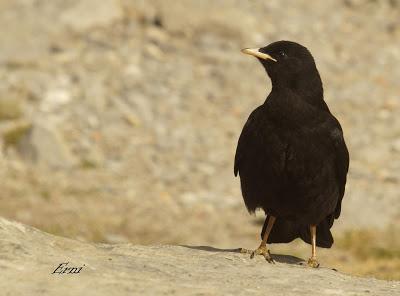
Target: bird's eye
{"x":282,"y":54}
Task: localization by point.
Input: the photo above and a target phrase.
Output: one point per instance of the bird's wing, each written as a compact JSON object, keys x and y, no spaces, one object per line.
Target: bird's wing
{"x":245,"y":140}
{"x":243,"y":143}
{"x":341,"y":162}
{"x":257,"y":142}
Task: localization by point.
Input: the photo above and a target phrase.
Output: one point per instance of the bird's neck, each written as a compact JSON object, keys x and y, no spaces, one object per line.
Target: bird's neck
{"x":309,"y":90}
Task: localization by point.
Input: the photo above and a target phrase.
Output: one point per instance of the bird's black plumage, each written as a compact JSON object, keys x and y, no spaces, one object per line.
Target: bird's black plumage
{"x":291,"y":155}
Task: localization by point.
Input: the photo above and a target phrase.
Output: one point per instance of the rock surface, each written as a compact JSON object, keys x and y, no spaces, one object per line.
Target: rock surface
{"x":28,"y":257}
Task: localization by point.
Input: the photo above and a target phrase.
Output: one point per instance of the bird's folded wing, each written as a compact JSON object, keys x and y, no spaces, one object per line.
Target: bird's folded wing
{"x":259,"y":143}
{"x":245,"y":140}
{"x":341,"y":163}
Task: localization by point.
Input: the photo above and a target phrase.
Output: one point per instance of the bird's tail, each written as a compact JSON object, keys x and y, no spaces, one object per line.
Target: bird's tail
{"x":285,"y":231}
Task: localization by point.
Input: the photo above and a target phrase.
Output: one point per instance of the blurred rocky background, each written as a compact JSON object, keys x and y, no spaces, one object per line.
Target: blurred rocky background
{"x":119,"y":119}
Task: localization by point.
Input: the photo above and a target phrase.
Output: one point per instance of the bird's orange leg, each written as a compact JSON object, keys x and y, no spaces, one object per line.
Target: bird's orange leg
{"x":312,"y":262}
{"x":262,"y":249}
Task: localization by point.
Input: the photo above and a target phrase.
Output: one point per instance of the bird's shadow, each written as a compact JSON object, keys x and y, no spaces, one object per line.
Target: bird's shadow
{"x":288,"y":259}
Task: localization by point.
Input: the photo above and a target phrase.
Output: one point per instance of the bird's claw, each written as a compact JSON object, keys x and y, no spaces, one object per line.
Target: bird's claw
{"x":312,"y":262}
{"x":262,"y":250}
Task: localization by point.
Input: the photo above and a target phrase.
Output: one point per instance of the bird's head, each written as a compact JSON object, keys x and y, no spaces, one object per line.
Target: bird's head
{"x":286,"y":62}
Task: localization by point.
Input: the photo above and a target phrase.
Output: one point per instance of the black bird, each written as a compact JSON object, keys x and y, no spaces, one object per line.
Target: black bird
{"x":291,"y":155}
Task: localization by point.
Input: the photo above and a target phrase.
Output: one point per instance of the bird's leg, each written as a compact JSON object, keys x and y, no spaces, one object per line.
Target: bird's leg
{"x":262,"y":249}
{"x":312,"y":262}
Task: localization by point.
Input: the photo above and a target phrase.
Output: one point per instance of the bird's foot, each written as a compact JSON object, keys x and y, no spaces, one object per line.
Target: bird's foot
{"x":312,"y":262}
{"x":261,"y":250}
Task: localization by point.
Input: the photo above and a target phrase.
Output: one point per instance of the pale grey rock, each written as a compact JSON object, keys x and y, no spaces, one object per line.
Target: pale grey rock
{"x":54,"y":99}
{"x":85,"y":14}
{"x":396,"y":145}
{"x":29,"y":257}
{"x":44,"y":145}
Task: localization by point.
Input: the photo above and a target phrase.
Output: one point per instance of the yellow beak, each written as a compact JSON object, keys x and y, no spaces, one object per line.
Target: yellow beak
{"x":256,"y":52}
